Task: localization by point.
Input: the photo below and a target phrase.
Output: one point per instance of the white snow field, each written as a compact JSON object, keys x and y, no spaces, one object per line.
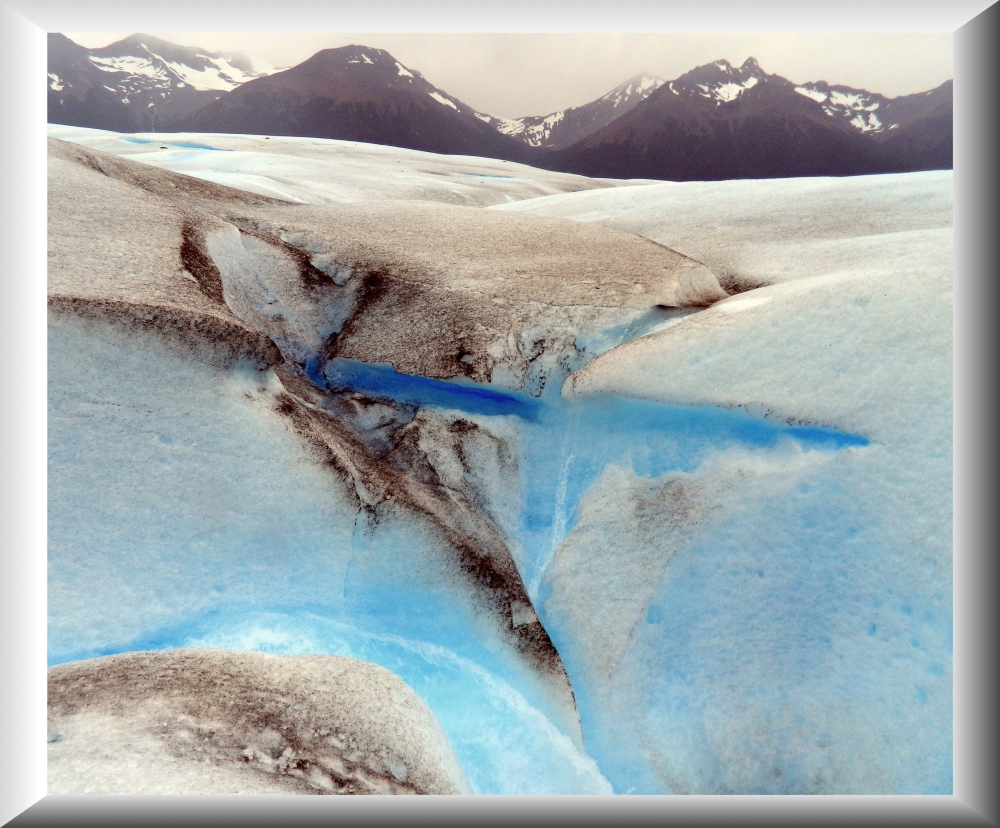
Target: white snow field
{"x":216,"y":721}
{"x":321,"y":171}
{"x":763,"y":232}
{"x":443,"y":439}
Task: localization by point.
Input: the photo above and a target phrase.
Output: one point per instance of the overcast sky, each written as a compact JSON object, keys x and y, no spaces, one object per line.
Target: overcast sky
{"x":534,"y":74}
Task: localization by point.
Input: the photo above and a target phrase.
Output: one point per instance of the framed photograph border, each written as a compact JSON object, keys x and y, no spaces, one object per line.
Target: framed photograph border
{"x":22,"y":576}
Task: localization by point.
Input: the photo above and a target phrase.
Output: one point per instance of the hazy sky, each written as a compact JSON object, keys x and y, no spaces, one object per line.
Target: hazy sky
{"x":534,"y":74}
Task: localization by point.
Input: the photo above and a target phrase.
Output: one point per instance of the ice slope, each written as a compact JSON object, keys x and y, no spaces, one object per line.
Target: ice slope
{"x":216,"y":721}
{"x":773,"y":619}
{"x":762,"y":232}
{"x":320,"y":171}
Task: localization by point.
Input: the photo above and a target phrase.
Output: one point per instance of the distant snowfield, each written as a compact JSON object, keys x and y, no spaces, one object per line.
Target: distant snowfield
{"x":319,"y":171}
{"x":733,"y":522}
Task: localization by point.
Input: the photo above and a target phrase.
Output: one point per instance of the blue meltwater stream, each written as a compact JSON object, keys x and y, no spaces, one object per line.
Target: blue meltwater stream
{"x":566,"y":444}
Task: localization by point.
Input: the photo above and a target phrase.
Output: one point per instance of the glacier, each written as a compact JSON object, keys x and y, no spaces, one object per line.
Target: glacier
{"x":729,"y":514}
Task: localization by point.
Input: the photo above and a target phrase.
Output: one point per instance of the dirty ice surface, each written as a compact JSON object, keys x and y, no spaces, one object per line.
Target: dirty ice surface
{"x":735,"y":527}
{"x":330,"y":725}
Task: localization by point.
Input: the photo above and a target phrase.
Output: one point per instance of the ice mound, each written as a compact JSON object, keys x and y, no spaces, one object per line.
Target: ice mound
{"x":217,"y":721}
{"x":505,"y":743}
{"x":473,"y":293}
{"x":803,"y":352}
{"x":117,"y":251}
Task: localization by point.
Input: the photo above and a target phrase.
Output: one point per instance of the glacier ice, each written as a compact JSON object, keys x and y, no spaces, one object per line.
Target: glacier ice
{"x":753,"y":233}
{"x":733,"y":521}
{"x":182,"y":502}
{"x":794,"y":634}
{"x":322,"y":171}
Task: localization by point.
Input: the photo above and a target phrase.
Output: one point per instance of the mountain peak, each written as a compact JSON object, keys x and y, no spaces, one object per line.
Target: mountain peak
{"x":354,"y":53}
{"x":139,"y":40}
{"x":750,"y":64}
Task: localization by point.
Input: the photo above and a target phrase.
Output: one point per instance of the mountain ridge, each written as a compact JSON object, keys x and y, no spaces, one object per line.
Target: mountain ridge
{"x":565,"y":127}
{"x":718,"y":122}
{"x":713,"y":122}
{"x":355,"y":93}
{"x":153,"y":82}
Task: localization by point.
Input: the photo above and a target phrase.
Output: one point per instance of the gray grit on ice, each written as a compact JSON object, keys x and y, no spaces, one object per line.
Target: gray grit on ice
{"x":226,"y":722}
{"x":469,"y":292}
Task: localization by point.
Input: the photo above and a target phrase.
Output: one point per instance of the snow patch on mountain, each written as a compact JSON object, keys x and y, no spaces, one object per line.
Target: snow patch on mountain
{"x":566,"y":126}
{"x":642,"y":86}
{"x":809,"y":92}
{"x":437,"y":96}
{"x":720,"y":82}
{"x":731,"y":91}
{"x":131,"y":65}
{"x":855,"y":106}
{"x":218,"y":75}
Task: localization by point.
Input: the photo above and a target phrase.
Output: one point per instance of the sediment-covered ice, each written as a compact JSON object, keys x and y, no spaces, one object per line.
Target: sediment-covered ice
{"x":210,"y":721}
{"x":485,"y":295}
{"x":445,"y":291}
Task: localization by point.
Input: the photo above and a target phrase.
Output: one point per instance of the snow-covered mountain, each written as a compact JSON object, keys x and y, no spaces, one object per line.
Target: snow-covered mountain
{"x":718,"y":82}
{"x":870,"y":112}
{"x":140,"y":81}
{"x":858,"y":108}
{"x":863,"y":111}
{"x":567,"y":126}
{"x":355,"y":93}
{"x":720,"y":121}
{"x":717,"y":121}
